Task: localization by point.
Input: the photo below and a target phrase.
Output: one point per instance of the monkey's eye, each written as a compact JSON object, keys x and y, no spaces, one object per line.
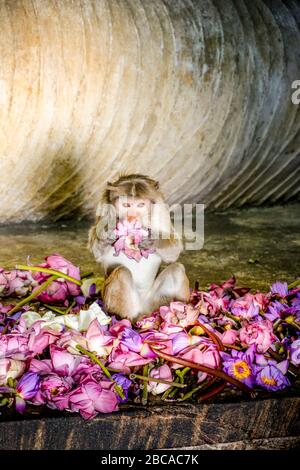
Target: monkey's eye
{"x":126,"y":204}
{"x":141,"y":204}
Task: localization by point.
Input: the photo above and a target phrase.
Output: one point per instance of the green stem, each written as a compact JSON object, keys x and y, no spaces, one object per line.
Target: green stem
{"x":97,"y":361}
{"x":294,"y":284}
{"x":68,"y":310}
{"x":24,"y":267}
{"x":54,"y":309}
{"x":145,"y":389}
{"x":32,"y":296}
{"x":153,"y":379}
{"x":181,"y":373}
{"x":233,"y":317}
{"x":191,"y":393}
{"x":87,"y":274}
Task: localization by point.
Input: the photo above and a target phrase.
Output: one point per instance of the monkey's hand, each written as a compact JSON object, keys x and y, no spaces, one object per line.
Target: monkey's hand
{"x":110,"y":237}
{"x":146,"y":243}
{"x":169,"y":249}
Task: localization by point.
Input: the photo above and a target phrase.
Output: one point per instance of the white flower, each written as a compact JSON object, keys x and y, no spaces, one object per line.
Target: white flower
{"x":78,"y":322}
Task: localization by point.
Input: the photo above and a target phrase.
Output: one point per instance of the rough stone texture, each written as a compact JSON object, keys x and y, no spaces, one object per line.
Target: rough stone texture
{"x":256,"y":424}
{"x":197,"y":94}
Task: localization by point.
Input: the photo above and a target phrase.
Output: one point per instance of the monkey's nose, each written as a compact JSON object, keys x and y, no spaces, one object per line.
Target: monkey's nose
{"x":131,"y":218}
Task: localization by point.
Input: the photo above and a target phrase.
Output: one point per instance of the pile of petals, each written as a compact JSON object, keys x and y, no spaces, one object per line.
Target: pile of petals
{"x":60,"y":349}
{"x":129,"y":239}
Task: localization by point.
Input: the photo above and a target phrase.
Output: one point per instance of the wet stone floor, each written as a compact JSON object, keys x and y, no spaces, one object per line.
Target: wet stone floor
{"x":257,"y":245}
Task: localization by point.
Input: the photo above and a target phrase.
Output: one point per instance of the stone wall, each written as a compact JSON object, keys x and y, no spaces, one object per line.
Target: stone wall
{"x":195,"y":94}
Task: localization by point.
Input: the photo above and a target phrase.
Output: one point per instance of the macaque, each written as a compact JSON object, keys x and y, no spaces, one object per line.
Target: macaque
{"x":133,"y":289}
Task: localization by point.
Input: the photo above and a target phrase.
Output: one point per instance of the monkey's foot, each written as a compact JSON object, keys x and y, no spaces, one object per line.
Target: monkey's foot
{"x":120,"y":296}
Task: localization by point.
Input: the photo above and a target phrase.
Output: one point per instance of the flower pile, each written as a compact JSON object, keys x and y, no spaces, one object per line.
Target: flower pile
{"x":59,"y":348}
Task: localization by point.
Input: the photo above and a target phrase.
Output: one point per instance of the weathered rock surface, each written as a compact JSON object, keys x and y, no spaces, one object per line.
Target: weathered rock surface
{"x":195,"y":94}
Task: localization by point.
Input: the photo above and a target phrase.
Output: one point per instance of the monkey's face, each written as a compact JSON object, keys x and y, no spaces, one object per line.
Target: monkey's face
{"x":133,"y":209}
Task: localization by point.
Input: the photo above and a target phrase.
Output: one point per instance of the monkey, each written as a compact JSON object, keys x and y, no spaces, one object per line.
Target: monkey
{"x":134,"y":289}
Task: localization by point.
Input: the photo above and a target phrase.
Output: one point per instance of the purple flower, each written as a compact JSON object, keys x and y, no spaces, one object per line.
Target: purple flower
{"x":274,"y":310}
{"x":26,"y":389}
{"x":280,"y":288}
{"x":271,"y":378}
{"x":240,"y":365}
{"x":295,"y":352}
{"x":244,"y":307}
{"x":125,"y":383}
{"x":131,"y":339}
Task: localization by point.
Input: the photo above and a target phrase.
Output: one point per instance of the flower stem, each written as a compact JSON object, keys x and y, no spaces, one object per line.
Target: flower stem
{"x":191,"y":393}
{"x":232,"y":317}
{"x":294,"y":284}
{"x":145,"y":389}
{"x":97,"y":361}
{"x":232,"y":346}
{"x":208,"y":370}
{"x":32,"y":296}
{"x":212,"y":336}
{"x":24,"y":267}
{"x":54,"y":309}
{"x":213,"y":392}
{"x":153,"y":379}
{"x":68,"y":310}
{"x":87,"y":274}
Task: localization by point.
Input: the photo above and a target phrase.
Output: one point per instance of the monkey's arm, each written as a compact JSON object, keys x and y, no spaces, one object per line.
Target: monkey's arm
{"x":98,"y":245}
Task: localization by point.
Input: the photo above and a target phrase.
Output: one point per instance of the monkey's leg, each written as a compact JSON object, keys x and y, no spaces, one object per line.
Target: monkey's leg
{"x":171,"y":284}
{"x":120,"y":295}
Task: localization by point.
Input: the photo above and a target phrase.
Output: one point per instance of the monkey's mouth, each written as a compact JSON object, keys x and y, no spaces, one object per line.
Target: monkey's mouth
{"x":131,"y":218}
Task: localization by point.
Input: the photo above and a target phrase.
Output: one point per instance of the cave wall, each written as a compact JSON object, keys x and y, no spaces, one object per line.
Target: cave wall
{"x":196,"y":94}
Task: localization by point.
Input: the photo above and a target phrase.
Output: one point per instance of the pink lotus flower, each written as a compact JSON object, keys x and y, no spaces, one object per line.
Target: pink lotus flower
{"x":15,"y":282}
{"x":98,"y":341}
{"x":56,"y":293}
{"x":70,"y":339}
{"x":40,"y":338}
{"x":64,"y":363}
{"x":14,"y":346}
{"x":211,"y":304}
{"x":196,"y":349}
{"x":121,"y":358}
{"x":245,"y":307}
{"x":91,"y":397}
{"x":10,"y":368}
{"x":259,"y":333}
{"x":163,"y":372}
{"x":151,"y":322}
{"x":228,"y":337}
{"x":53,"y":391}
{"x":60,"y":289}
{"x":180,"y":314}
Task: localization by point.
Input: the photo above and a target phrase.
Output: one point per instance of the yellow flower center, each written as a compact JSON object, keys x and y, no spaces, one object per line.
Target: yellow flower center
{"x":241,"y":370}
{"x":268,"y":381}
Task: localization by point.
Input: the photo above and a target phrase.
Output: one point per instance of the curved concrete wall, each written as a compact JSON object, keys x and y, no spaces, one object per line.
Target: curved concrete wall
{"x":194,"y":93}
